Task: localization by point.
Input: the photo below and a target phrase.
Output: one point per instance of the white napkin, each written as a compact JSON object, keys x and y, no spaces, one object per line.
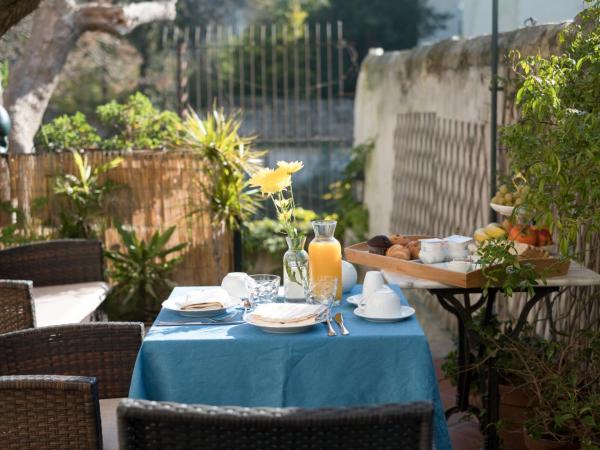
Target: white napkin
{"x":284,"y":313}
{"x":205,"y":299}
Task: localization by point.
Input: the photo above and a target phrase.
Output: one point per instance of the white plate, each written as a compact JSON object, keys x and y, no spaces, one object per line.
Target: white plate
{"x":354,"y":299}
{"x":502,"y":209}
{"x":171,"y":305}
{"x":284,"y":328}
{"x":406,"y":312}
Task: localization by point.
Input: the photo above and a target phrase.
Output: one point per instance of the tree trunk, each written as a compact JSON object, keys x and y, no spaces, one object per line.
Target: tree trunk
{"x":57,"y":26}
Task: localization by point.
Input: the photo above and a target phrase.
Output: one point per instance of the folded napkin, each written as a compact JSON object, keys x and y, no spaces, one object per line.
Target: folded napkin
{"x":206,"y":299}
{"x":286,"y":313}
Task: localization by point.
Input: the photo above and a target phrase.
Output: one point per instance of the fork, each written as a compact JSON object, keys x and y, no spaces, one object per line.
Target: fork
{"x":339,"y":319}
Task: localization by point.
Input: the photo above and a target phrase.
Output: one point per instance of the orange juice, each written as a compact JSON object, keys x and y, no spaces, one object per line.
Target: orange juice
{"x":325,"y":254}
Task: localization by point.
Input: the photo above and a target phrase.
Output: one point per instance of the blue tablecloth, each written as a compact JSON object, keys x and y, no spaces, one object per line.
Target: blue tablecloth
{"x":241,"y":365}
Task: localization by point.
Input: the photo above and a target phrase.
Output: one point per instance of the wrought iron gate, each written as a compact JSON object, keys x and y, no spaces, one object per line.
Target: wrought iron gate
{"x":287,"y":84}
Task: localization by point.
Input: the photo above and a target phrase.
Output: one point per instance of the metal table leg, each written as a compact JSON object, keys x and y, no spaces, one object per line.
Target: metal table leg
{"x":467,"y":337}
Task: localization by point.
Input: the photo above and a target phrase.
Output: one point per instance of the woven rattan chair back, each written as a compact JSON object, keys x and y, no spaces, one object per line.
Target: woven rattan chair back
{"x":104,"y":350}
{"x":49,"y":412}
{"x":147,"y":425}
{"x":54,"y":262}
{"x":16,"y":306}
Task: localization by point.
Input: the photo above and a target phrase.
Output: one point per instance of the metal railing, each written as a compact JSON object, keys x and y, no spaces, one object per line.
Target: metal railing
{"x":288,"y":86}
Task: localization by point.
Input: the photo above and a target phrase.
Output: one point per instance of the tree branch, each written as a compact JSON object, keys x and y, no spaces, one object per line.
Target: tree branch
{"x":12,"y":11}
{"x":120,"y":20}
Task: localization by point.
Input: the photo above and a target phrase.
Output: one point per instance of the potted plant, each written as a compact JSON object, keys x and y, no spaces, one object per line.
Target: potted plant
{"x":564,"y":381}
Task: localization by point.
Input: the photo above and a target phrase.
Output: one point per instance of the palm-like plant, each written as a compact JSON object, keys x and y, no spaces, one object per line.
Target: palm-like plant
{"x":229,"y":157}
{"x":84,"y":194}
{"x":140,"y":272}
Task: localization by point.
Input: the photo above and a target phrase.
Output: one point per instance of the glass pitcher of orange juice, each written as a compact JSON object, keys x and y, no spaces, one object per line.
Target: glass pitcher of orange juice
{"x":325,"y":254}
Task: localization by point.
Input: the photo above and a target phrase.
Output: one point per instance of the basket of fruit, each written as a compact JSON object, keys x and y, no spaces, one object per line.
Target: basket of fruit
{"x":508,"y":198}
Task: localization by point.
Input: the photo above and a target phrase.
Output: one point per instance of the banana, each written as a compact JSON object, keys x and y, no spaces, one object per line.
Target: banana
{"x":494,"y":230}
{"x":480,"y":235}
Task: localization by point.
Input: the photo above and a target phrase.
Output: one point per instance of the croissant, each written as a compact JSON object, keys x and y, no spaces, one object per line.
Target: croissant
{"x":398,"y":251}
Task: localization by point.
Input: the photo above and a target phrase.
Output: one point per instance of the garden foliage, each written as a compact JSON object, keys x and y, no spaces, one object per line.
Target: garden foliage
{"x":555,"y":144}
{"x":133,"y":125}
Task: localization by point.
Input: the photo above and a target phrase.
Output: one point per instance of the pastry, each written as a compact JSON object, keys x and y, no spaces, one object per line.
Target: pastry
{"x":415,"y":248}
{"x":379,"y":244}
{"x":398,"y":251}
{"x":399,"y":239}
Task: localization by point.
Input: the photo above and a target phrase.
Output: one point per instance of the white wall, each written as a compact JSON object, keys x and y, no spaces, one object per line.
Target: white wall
{"x":477,"y":14}
{"x":450,"y":78}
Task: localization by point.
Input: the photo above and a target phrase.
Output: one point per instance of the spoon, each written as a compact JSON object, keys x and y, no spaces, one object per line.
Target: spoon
{"x":339,"y":319}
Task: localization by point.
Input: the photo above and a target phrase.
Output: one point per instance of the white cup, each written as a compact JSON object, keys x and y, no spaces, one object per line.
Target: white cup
{"x":384,"y":302}
{"x":432,"y":251}
{"x":373,"y":281}
{"x":458,"y":246}
{"x":235,"y":283}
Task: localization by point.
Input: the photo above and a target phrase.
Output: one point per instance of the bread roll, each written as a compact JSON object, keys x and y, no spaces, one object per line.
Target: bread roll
{"x":398,"y":239}
{"x":398,"y":251}
{"x":414,"y":247}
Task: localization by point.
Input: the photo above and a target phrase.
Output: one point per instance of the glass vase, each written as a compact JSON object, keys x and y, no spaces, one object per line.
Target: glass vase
{"x":295,"y":269}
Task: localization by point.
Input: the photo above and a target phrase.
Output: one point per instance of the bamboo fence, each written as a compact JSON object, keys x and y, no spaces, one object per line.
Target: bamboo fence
{"x":155,"y":191}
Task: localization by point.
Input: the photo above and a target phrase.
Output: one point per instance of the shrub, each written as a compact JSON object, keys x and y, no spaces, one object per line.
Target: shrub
{"x":554,"y":145}
{"x":137,"y":124}
{"x":133,"y":125}
{"x":67,"y":132}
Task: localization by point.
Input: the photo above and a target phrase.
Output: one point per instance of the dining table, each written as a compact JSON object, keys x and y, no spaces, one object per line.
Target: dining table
{"x":239,"y":364}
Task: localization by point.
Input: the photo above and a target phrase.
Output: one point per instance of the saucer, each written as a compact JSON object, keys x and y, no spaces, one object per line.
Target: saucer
{"x":354,"y":299}
{"x":406,"y":312}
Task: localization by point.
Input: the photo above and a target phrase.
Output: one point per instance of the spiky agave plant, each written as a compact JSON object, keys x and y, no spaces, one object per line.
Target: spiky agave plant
{"x":229,"y":158}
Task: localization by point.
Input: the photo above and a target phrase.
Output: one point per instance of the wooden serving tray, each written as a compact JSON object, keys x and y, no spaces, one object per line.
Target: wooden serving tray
{"x":359,"y":254}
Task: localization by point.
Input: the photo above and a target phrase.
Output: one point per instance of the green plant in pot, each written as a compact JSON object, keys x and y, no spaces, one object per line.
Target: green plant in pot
{"x":564,"y":380}
{"x":230,"y":158}
{"x":140,"y":272}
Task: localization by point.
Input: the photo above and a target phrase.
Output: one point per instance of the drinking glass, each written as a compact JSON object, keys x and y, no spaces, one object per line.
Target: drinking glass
{"x":321,"y":291}
{"x":262,"y":288}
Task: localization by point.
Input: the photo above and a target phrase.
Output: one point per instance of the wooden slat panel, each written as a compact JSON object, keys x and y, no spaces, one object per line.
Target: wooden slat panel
{"x":159,"y":189}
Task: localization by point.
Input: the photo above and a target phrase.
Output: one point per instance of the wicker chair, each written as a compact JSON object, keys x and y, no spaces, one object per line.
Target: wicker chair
{"x":16,"y":306}
{"x":56,"y":262}
{"x":52,"y":378}
{"x":153,"y":425}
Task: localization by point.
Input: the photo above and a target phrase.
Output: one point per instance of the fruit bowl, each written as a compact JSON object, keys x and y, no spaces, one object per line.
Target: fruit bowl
{"x":502,"y":209}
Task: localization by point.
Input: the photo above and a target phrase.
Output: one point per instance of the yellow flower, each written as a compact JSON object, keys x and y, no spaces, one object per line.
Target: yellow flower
{"x":285,"y":216}
{"x":290,"y":167}
{"x":271,"y":181}
{"x":259,"y":177}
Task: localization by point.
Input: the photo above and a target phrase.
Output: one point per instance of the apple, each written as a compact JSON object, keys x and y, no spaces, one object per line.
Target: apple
{"x":544,"y":237}
{"x":523,"y":234}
